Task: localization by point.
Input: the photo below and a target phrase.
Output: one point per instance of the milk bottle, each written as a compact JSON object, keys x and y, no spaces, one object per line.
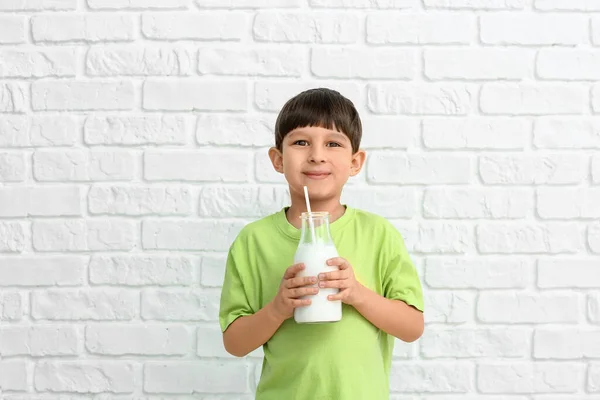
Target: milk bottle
{"x":314,"y":249}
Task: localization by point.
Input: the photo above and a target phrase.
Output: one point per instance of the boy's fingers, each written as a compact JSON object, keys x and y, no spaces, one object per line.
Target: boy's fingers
{"x":299,"y":282}
{"x":334,"y":284}
{"x":293,"y":270}
{"x":334,"y":297}
{"x":335,"y":275}
{"x":300,"y":303}
{"x":342,"y":263}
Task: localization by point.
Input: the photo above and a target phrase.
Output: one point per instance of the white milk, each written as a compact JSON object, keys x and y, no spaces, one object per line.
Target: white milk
{"x":314,"y":257}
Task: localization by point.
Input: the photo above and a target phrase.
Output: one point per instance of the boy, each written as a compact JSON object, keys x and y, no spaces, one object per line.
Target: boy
{"x":317,"y":138}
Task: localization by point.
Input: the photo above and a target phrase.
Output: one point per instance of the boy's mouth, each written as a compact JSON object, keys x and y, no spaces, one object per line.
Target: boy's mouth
{"x":317,"y":175}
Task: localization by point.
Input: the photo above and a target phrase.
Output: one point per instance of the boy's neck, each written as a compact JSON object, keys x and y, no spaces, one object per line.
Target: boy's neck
{"x":334,"y":208}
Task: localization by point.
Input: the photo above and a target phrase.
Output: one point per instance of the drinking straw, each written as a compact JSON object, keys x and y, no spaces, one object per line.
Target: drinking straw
{"x":310,"y":220}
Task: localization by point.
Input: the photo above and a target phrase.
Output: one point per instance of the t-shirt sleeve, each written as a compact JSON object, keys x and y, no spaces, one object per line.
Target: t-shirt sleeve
{"x":234,"y":296}
{"x":401,"y":280}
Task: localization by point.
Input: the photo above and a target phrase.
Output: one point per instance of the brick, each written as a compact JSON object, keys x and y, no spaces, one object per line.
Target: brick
{"x":11,"y":306}
{"x":140,"y":200}
{"x":408,"y":28}
{"x":567,"y":203}
{"x":89,"y":27}
{"x":476,"y":133}
{"x":32,"y":131}
{"x":479,"y":64}
{"x":593,"y":378}
{"x":180,"y":305}
{"x":242,"y":201}
{"x":404,"y":350}
{"x":84,"y":235}
{"x":138,"y":4}
{"x":13,"y":237}
{"x":36,"y":63}
{"x":136,"y":130}
{"x":40,"y":201}
{"x":385,"y":132}
{"x":246,"y":130}
{"x":80,"y":165}
{"x":187,"y":95}
{"x":477,"y":4}
{"x":120,"y":340}
{"x":227,"y":166}
{"x":362,"y":4}
{"x":212,"y":269}
{"x":475,"y":343}
{"x":393,"y":167}
{"x":37,"y":5}
{"x":285,"y":61}
{"x":82,"y":95}
{"x":596,"y":30}
{"x":272,"y":95}
{"x":568,"y":64}
{"x":142,"y":270}
{"x":566,"y":5}
{"x":452,"y":203}
{"x":222,"y":26}
{"x":520,"y":308}
{"x":138,"y":61}
{"x":302,"y":27}
{"x":456,"y":377}
{"x":14,"y":97}
{"x":85,"y":377}
{"x":236,"y":4}
{"x":13,"y":375}
{"x":478,"y":273}
{"x":596,"y":169}
{"x":363,"y":63}
{"x":533,"y":99}
{"x":527,"y":377}
{"x":593,"y":308}
{"x":189,"y":234}
{"x":596,"y":99}
{"x":436,"y":238}
{"x":547,"y":169}
{"x":594,"y":237}
{"x":389,"y":202}
{"x":531,"y":29}
{"x":39,"y":341}
{"x":575,"y":343}
{"x":13,"y":28}
{"x":13,"y":167}
{"x":549,"y":133}
{"x":42,"y":271}
{"x":530,"y":238}
{"x":420,"y":99}
{"x":88,"y":304}
{"x":195,"y":376}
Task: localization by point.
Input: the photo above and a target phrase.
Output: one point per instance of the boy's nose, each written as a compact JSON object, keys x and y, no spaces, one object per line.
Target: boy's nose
{"x":317,"y":157}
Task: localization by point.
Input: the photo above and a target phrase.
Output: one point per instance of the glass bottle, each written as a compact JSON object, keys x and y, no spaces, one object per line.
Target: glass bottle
{"x":314,"y":249}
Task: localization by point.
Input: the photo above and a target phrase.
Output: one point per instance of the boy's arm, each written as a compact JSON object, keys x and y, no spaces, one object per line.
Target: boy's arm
{"x":394,"y":317}
{"x":248,"y":333}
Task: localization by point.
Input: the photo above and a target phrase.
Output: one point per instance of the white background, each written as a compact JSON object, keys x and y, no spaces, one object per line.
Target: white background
{"x":133,"y":147}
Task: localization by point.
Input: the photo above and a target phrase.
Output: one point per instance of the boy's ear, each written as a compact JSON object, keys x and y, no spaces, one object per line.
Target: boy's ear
{"x":276,"y":159}
{"x":358,"y":160}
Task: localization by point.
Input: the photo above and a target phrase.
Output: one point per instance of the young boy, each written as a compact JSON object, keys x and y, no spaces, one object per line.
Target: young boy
{"x":317,"y":138}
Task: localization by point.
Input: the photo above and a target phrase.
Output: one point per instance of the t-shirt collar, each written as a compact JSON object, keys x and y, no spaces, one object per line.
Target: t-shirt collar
{"x":289,"y":230}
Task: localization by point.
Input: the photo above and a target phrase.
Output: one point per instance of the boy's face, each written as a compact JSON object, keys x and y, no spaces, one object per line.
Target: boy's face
{"x":318,"y":158}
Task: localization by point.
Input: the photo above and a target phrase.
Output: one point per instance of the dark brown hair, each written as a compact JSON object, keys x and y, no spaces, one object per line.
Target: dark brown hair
{"x":321,"y":107}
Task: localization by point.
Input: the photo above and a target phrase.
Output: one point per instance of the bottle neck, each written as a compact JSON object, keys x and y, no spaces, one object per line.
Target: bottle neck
{"x":315,"y":230}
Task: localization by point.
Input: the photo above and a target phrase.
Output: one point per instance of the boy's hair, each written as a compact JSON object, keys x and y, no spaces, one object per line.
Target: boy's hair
{"x":320,"y":107}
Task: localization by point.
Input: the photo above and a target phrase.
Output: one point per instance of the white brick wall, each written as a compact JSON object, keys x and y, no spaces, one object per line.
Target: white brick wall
{"x":133,"y":138}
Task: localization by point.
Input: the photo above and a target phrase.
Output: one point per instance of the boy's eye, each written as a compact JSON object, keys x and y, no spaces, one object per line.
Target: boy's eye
{"x":300,"y":142}
{"x":334,"y":144}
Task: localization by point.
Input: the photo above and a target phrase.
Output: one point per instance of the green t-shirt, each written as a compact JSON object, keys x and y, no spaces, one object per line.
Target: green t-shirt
{"x":345,"y":360}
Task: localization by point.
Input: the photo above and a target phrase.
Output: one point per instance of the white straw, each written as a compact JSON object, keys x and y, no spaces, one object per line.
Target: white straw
{"x":310,"y":220}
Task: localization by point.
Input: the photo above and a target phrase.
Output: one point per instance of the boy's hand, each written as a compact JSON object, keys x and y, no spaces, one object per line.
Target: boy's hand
{"x":344,"y":279}
{"x":290,"y":291}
